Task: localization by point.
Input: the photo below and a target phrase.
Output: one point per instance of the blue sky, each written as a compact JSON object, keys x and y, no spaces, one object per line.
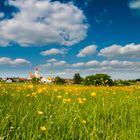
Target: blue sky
{"x":65,"y":37}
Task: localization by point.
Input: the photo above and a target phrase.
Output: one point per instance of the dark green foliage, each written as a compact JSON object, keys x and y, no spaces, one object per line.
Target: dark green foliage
{"x":59,"y":80}
{"x":77,"y":78}
{"x":35,"y":80}
{"x":90,"y":80}
{"x":124,"y":83}
{"x":138,"y":80}
{"x":98,"y":79}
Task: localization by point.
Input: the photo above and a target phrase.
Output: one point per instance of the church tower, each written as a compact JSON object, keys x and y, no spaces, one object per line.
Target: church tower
{"x":37,"y":75}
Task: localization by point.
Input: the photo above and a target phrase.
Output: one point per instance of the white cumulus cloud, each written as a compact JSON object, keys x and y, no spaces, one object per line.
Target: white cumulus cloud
{"x":42,"y":22}
{"x":54,"y":64}
{"x":130,"y":50}
{"x":135,"y":4}
{"x":92,"y":63}
{"x":14,"y":62}
{"x":54,"y":51}
{"x":89,"y":50}
{"x":52,"y":60}
{"x":59,"y":64}
{"x":1,"y":15}
{"x":80,"y":64}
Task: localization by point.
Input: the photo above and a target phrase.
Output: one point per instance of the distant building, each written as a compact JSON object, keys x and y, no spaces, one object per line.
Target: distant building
{"x":45,"y":80}
{"x":8,"y":80}
{"x":37,"y":74}
{"x":69,"y":81}
{"x":42,"y":78}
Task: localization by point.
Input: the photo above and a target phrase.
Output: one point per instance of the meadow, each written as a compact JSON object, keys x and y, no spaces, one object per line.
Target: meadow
{"x":69,"y":112}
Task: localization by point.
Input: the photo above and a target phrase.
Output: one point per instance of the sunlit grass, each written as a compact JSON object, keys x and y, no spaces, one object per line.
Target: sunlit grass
{"x":51,"y":112}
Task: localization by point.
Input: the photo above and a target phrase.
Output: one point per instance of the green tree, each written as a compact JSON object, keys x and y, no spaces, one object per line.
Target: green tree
{"x":103,"y":79}
{"x":89,"y":80}
{"x":59,"y":80}
{"x":98,"y":79}
{"x":77,"y":78}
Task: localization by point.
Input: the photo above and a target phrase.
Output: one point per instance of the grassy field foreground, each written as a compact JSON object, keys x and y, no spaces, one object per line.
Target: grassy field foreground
{"x":69,"y":112}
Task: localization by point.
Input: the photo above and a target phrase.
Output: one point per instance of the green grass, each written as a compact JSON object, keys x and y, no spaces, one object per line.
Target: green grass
{"x":113,"y":114}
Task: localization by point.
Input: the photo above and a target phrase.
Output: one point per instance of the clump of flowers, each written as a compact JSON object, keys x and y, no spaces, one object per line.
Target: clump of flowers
{"x":79,"y":100}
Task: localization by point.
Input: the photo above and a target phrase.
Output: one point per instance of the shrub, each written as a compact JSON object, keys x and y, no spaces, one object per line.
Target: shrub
{"x":59,"y":80}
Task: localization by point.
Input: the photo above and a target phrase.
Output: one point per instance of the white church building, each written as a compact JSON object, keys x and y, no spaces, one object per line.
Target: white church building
{"x":38,"y":75}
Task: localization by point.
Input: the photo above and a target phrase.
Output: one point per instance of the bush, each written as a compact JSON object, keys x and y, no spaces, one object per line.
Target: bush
{"x":59,"y":80}
{"x":124,"y":83}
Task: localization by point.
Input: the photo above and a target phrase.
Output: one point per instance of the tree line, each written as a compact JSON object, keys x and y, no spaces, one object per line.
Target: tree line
{"x":96,"y":80}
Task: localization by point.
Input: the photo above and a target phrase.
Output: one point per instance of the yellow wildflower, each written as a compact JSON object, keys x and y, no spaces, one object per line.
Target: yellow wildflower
{"x":67,"y":100}
{"x":66,"y":92}
{"x":43,"y":128}
{"x":33,"y":94}
{"x":27,"y":95}
{"x":30,"y":86}
{"x":93,"y":94}
{"x":59,"y":96}
{"x":39,"y":90}
{"x":40,"y":113}
{"x":49,"y":78}
{"x":55,"y":89}
{"x":80,"y":101}
{"x":83,"y":122}
{"x":84,"y":99}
